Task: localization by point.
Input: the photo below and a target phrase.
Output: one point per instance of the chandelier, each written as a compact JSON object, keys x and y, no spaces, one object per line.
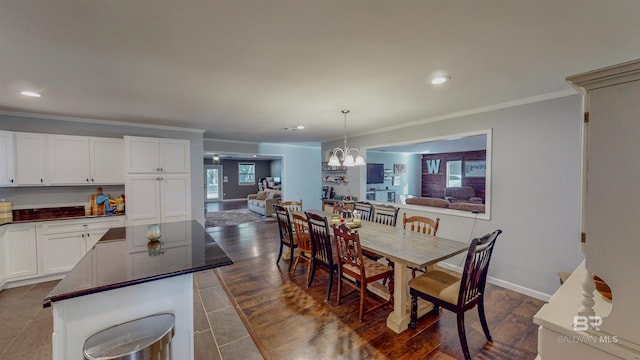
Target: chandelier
{"x":348,"y":158}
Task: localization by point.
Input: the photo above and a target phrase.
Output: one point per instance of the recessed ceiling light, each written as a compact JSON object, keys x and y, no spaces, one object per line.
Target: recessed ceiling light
{"x":439,"y":80}
{"x":294,"y":128}
{"x":31,"y":94}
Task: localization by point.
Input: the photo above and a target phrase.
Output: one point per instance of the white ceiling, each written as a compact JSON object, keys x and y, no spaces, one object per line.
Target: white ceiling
{"x":244,"y":69}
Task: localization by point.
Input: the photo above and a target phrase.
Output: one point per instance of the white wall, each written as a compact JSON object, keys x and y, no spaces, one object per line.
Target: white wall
{"x":535,"y":192}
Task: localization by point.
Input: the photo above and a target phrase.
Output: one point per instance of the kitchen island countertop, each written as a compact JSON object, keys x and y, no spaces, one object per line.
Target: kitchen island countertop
{"x":124,"y":257}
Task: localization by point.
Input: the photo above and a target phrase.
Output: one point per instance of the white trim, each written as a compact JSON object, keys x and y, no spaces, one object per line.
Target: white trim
{"x":231,"y":141}
{"x":98,"y":121}
{"x":504,"y":284}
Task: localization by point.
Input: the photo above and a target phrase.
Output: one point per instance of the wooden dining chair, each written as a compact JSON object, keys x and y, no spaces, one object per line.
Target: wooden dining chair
{"x":286,"y":232}
{"x":323,"y":254}
{"x":303,"y":240}
{"x":457,"y":293}
{"x":420,"y":224}
{"x":356,"y":270}
{"x":365,"y":209}
{"x":384,"y":214}
{"x":292,"y":205}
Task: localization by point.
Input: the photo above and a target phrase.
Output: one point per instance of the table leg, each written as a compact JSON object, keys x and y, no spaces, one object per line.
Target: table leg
{"x":398,"y":320}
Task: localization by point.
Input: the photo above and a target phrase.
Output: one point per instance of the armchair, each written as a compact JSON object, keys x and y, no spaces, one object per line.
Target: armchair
{"x":461,"y":194}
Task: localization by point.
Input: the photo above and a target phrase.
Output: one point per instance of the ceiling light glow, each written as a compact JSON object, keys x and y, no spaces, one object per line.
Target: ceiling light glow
{"x":31,"y":94}
{"x":300,"y":127}
{"x":439,"y":80}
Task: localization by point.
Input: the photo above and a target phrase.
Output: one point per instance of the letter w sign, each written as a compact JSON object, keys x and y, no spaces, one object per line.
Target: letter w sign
{"x":433,"y":166}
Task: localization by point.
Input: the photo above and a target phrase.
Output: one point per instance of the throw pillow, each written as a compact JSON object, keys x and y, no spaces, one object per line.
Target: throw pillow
{"x":273,"y":195}
{"x":262,"y":195}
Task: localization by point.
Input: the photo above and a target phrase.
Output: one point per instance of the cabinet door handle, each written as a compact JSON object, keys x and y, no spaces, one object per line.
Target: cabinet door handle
{"x":87,"y":179}
{"x":83,"y":236}
{"x":161,"y":169}
{"x":92,"y":180}
{"x":41,"y":181}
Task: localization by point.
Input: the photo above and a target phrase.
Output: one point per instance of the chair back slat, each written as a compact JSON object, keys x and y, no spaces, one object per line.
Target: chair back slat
{"x":385,"y":215}
{"x":348,"y":247}
{"x":292,"y":205}
{"x":320,"y":238}
{"x":284,"y":224}
{"x":474,"y":275}
{"x":301,"y":232}
{"x":365,"y":209}
{"x":421,"y":224}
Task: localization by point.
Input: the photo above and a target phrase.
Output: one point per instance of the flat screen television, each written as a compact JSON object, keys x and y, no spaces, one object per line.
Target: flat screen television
{"x":375,"y":173}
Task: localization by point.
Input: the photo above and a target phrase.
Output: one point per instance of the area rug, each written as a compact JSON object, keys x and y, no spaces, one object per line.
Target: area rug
{"x":233,"y":217}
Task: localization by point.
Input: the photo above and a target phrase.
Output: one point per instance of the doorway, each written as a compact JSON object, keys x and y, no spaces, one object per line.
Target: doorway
{"x":213,"y":183}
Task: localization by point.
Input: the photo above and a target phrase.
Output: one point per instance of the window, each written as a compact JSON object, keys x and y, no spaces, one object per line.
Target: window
{"x":246,"y":173}
{"x":454,"y":173}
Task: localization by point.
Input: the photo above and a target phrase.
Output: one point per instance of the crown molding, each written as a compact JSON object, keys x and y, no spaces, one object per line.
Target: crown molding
{"x":97,"y":121}
{"x":606,"y":76}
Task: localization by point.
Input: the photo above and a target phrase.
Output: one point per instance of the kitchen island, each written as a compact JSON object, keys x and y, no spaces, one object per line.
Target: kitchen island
{"x":125,"y":277}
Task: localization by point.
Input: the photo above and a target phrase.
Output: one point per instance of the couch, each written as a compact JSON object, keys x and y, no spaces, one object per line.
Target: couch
{"x":442,"y":203}
{"x":262,"y":202}
{"x":428,"y":201}
{"x":461,"y":194}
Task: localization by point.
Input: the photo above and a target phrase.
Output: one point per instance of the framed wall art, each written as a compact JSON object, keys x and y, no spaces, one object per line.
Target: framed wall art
{"x":399,"y":168}
{"x":476,"y":168}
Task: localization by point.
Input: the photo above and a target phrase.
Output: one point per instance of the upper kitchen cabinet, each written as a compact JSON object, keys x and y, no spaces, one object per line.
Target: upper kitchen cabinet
{"x":7,"y":176}
{"x":68,"y":160}
{"x":155,"y":155}
{"x":77,"y":160}
{"x":107,"y":160}
{"x":30,"y":158}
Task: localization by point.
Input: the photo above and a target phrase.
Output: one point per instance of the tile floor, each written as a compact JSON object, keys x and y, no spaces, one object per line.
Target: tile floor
{"x":219,"y":333}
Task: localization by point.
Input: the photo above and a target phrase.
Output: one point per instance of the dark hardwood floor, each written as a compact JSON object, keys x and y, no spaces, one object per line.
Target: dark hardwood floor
{"x":290,"y":321}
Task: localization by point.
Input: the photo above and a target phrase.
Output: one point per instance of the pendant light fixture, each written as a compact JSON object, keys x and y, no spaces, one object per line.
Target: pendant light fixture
{"x":348,"y":158}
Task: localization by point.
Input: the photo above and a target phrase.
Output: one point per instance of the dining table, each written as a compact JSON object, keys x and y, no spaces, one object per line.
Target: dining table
{"x":405,"y":248}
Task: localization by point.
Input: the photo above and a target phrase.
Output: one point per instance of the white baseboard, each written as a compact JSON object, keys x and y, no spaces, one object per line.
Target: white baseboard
{"x":504,"y":284}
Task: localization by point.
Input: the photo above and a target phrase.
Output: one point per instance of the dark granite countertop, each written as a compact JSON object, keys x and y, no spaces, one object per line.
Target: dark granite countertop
{"x":124,"y":257}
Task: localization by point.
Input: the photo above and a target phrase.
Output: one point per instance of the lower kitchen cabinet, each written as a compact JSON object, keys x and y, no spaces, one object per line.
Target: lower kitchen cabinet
{"x":21,"y":251}
{"x":63,"y":243}
{"x":60,"y":252}
{"x":30,"y":251}
{"x":3,"y":268}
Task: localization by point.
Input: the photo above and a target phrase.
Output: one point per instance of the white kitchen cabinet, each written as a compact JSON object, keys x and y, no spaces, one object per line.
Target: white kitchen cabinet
{"x":3,"y":268}
{"x":155,"y":155}
{"x":106,"y":160}
{"x":61,"y":244}
{"x":158,"y":198}
{"x":21,"y":251}
{"x":60,"y":252}
{"x":81,"y":160}
{"x":68,"y":160}
{"x":30,"y":158}
{"x":7,"y":169}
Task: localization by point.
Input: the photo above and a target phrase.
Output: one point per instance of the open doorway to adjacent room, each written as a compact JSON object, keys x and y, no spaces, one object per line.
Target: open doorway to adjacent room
{"x":213,"y":183}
